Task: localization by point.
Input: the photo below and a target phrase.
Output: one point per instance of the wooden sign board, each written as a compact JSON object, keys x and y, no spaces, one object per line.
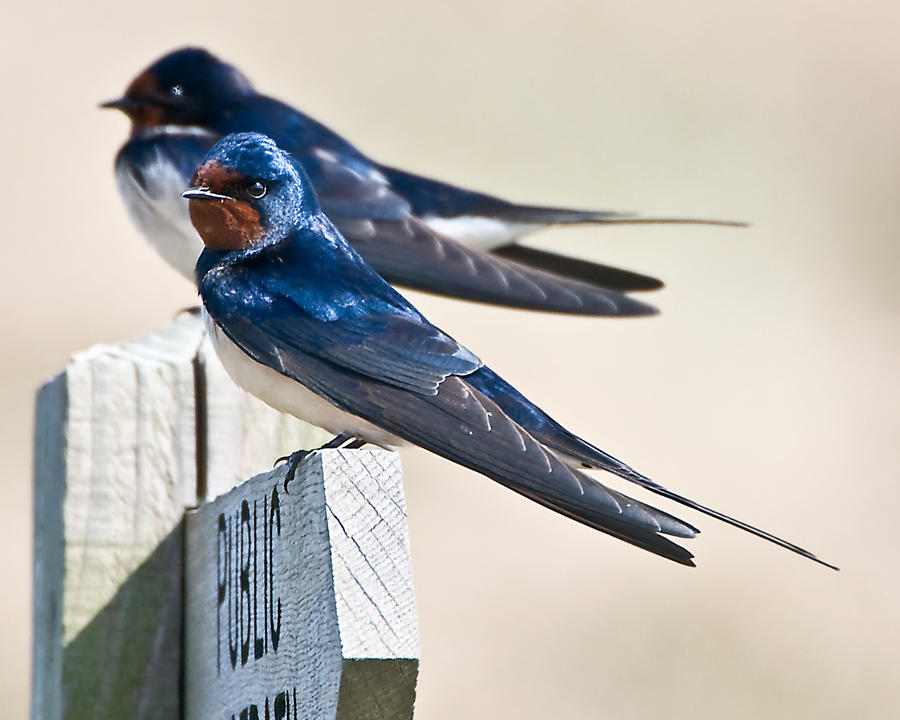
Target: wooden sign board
{"x":299,"y":600}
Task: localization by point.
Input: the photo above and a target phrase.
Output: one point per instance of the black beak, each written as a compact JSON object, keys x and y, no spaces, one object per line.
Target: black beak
{"x":125,"y":104}
{"x":202,"y":193}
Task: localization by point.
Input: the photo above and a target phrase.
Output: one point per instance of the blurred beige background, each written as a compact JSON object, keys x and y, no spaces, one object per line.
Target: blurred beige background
{"x":767,"y":388}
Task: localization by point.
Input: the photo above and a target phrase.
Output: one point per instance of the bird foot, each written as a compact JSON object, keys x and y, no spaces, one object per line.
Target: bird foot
{"x":294,"y":460}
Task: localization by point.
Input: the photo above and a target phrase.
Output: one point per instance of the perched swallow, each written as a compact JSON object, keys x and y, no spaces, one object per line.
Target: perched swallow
{"x":300,"y":320}
{"x":415,"y":232}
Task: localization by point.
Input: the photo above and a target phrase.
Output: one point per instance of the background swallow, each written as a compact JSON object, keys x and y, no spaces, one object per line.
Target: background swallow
{"x":299,"y":319}
{"x":414,"y":231}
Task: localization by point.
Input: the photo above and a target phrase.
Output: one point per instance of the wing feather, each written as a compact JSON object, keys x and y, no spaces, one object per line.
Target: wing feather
{"x":408,"y":253}
{"x":457,"y":422}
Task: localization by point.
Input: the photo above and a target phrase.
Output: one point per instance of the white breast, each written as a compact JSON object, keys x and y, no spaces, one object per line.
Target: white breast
{"x":290,"y":396}
{"x":161,"y":214}
{"x":480,"y":233}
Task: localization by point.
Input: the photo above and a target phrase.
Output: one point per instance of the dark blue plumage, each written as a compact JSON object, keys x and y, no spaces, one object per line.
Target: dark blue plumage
{"x":298,"y":317}
{"x":414,"y":231}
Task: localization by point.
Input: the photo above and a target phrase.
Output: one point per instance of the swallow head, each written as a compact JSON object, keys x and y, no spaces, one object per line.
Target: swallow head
{"x":190,"y":86}
{"x":248,"y":194}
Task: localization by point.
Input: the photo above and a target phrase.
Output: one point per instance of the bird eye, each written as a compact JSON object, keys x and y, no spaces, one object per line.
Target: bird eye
{"x":257,"y":189}
{"x":176,"y":91}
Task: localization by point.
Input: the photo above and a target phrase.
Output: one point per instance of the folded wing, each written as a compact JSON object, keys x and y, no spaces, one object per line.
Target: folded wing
{"x":378,"y":220}
{"x":408,"y":253}
{"x":454,"y":419}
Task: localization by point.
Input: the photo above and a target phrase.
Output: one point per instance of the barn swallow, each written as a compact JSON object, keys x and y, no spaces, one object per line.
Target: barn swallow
{"x":416,"y":232}
{"x":299,"y":319}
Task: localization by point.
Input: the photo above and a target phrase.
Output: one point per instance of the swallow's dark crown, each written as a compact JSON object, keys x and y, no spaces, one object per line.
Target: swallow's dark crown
{"x":288,"y":215}
{"x":242,"y":159}
{"x":190,"y":85}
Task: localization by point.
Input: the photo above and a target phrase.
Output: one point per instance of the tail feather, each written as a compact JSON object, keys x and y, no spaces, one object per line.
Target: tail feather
{"x":432,"y":198}
{"x":590,"y":456}
{"x":637,"y":523}
{"x":623,"y":530}
{"x":584,"y":271}
{"x":541,"y":215}
{"x":746,"y":527}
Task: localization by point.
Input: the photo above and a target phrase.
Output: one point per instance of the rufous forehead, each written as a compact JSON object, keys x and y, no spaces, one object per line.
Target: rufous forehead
{"x":143,"y":85}
{"x":217,"y":177}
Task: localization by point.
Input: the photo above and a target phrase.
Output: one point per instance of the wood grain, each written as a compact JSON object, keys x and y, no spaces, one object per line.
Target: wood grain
{"x":114,"y":468}
{"x":302,"y":602}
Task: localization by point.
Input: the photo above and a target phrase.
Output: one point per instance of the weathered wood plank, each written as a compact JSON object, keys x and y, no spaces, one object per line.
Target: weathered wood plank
{"x":49,"y":549}
{"x":115,"y":466}
{"x":300,"y":604}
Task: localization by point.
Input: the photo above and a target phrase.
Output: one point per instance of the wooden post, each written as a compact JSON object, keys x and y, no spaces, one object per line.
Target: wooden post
{"x":114,"y":468}
{"x":126,"y":438}
{"x":300,"y":603}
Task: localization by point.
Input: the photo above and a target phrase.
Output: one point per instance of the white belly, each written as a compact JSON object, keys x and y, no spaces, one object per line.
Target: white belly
{"x":289,"y":396}
{"x":480,"y":233}
{"x":161,"y":214}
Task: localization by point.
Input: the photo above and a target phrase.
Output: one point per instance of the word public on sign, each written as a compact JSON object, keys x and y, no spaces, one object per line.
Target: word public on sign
{"x":248,"y":620}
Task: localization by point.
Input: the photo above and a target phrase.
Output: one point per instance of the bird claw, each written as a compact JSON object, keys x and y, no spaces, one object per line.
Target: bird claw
{"x":294,"y":461}
{"x":295,"y":458}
